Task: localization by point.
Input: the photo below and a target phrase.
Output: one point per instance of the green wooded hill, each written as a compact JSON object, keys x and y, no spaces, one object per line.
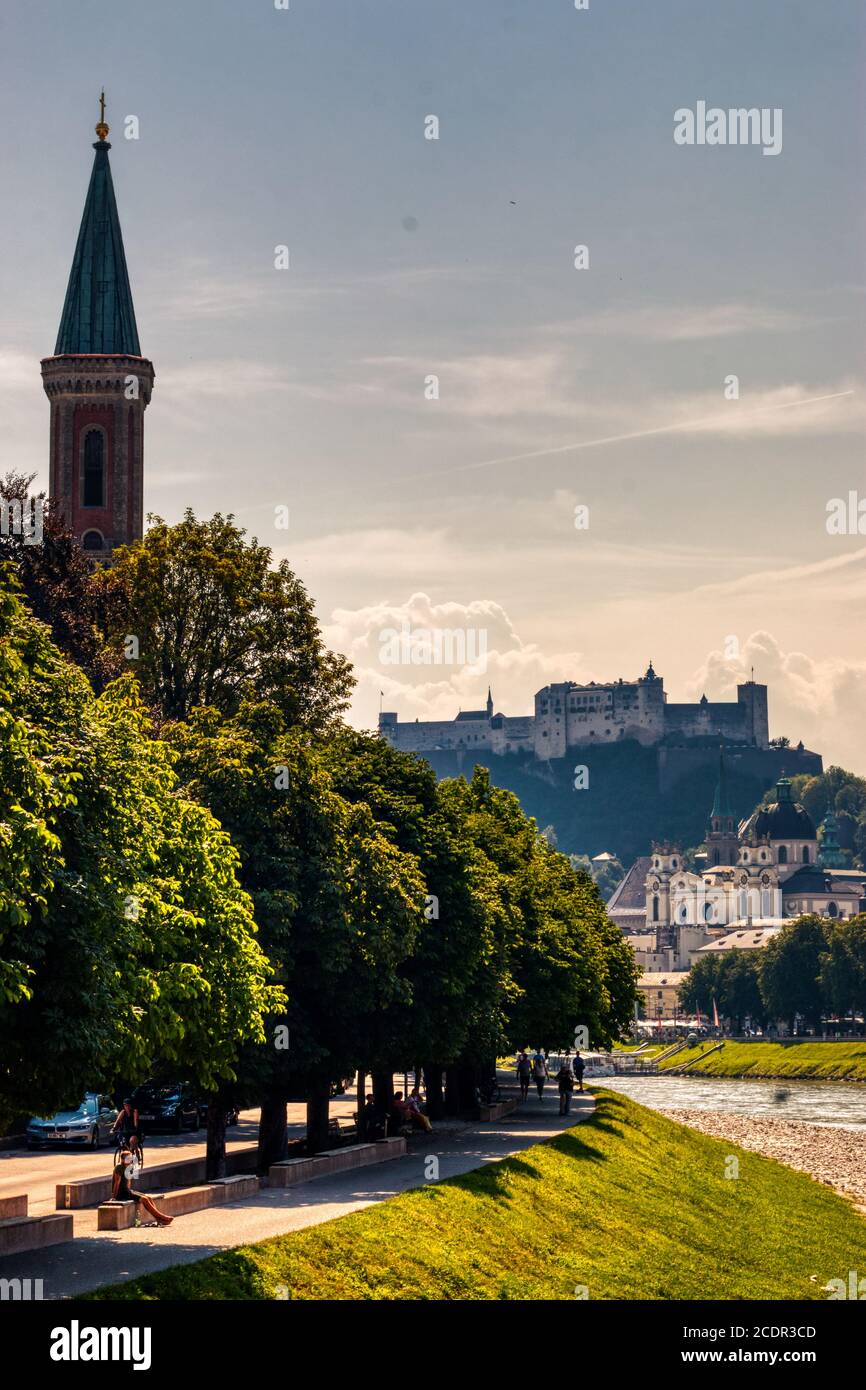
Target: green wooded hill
{"x":635,"y":794}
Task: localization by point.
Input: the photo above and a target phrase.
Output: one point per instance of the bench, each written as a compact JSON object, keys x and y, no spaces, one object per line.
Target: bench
{"x":497,"y":1111}
{"x":90,"y":1192}
{"x":120,"y":1216}
{"x":21,"y":1233}
{"x":337,"y":1131}
{"x":13,"y":1206}
{"x":295,"y":1170}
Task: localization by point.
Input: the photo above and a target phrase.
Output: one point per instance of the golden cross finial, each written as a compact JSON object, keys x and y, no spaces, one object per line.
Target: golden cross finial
{"x":102,"y":128}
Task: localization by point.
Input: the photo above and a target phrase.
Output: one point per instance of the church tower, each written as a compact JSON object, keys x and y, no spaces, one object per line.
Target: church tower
{"x":97,"y":382}
{"x":723,"y":845}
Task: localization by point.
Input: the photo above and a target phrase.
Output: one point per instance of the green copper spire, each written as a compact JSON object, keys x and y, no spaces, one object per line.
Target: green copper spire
{"x":722,"y":809}
{"x":831,"y":853}
{"x":98,"y":316}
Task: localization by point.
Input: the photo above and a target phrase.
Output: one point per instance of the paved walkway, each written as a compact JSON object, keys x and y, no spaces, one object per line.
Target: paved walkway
{"x":106,"y":1258}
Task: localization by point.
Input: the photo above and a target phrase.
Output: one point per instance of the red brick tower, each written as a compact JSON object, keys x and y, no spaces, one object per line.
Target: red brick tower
{"x":98,"y":383}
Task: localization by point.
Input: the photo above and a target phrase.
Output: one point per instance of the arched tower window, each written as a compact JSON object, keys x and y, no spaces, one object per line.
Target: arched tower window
{"x":92,"y":540}
{"x":655,"y":909}
{"x":93,"y":485}
{"x":832,"y":910}
{"x":805,"y":854}
{"x":783,"y":854}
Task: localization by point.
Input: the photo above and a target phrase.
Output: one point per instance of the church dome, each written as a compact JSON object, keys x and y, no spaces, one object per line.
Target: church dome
{"x":784,"y":818}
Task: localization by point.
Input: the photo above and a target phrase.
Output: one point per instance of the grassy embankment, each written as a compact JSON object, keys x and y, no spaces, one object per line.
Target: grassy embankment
{"x":822,"y":1061}
{"x":627,"y":1204}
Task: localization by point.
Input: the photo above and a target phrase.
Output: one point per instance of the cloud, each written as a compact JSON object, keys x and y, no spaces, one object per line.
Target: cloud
{"x":491,"y":385}
{"x":818,"y":701}
{"x":665,"y":323}
{"x":513,"y":668}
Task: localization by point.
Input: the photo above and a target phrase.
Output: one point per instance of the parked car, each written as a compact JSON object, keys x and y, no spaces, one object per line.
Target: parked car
{"x":87,"y":1123}
{"x":166,"y":1105}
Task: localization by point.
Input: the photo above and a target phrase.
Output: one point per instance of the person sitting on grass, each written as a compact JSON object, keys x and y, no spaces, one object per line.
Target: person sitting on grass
{"x":126,"y":1170}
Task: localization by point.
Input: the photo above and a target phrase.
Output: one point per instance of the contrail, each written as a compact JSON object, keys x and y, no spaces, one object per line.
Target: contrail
{"x":623,"y":438}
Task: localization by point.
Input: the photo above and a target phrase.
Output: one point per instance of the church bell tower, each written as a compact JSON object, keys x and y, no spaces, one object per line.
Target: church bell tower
{"x":723,"y":842}
{"x":97,"y":382}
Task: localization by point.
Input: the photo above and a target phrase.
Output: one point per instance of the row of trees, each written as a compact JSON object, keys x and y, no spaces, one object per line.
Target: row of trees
{"x":203,"y":868}
{"x":813,"y":968}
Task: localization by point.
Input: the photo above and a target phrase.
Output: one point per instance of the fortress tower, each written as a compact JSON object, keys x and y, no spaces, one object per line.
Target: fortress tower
{"x":97,"y":382}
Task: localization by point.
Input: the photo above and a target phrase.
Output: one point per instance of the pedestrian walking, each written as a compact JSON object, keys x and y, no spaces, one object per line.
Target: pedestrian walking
{"x":565,"y":1079}
{"x":524,"y":1074}
{"x":578,"y":1067}
{"x":539,"y":1073}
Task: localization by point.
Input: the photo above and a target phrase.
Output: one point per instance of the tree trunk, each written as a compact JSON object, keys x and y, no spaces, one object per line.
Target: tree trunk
{"x":433,"y":1083}
{"x":452,"y":1091}
{"x":318,"y":1106}
{"x":273,"y":1133}
{"x":360,"y":1092}
{"x":383,"y":1083}
{"x":215,"y":1162}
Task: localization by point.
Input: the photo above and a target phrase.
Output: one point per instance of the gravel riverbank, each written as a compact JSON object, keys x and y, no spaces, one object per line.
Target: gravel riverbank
{"x":832,"y":1155}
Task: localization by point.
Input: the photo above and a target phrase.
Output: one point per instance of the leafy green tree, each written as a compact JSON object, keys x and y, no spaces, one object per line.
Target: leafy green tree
{"x":790,"y":970}
{"x":338,"y":904}
{"x":703,"y":984}
{"x":216,"y":624}
{"x":741,"y":989}
{"x":58,"y":583}
{"x":606,"y":877}
{"x":125,"y":938}
{"x":458,"y":972}
{"x":569,"y":965}
{"x":513,"y":940}
{"x":843,"y":968}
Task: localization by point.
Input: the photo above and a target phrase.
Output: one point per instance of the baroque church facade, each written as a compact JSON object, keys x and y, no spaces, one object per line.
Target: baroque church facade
{"x":97,"y":382}
{"x":751,"y":877}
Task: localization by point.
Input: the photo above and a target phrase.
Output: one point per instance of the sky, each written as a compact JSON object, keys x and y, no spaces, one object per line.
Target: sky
{"x":704,"y":545}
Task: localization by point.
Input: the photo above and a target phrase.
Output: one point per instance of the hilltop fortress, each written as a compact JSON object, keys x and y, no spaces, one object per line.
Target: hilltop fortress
{"x":571,"y":716}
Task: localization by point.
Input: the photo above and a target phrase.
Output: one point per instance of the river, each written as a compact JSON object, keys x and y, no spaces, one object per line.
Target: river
{"x":820,"y":1102}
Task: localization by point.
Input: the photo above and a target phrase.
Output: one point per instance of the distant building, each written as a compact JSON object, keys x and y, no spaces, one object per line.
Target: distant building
{"x":745,"y":939}
{"x":569,"y":716}
{"x":755,"y":876}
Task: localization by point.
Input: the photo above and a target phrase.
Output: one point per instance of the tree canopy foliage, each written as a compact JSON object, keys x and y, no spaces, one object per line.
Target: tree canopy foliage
{"x":214,"y":623}
{"x":125,"y":937}
{"x":259,"y":896}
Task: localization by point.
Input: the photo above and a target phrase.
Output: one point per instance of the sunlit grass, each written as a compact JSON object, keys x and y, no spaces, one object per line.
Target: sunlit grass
{"x":831,"y":1061}
{"x":628,"y":1205}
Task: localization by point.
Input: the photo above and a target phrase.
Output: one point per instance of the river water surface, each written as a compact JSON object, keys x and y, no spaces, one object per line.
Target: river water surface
{"x":821,"y":1102}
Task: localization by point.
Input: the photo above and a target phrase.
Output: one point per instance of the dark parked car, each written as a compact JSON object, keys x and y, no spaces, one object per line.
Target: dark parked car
{"x":166,"y":1105}
{"x":87,"y":1123}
